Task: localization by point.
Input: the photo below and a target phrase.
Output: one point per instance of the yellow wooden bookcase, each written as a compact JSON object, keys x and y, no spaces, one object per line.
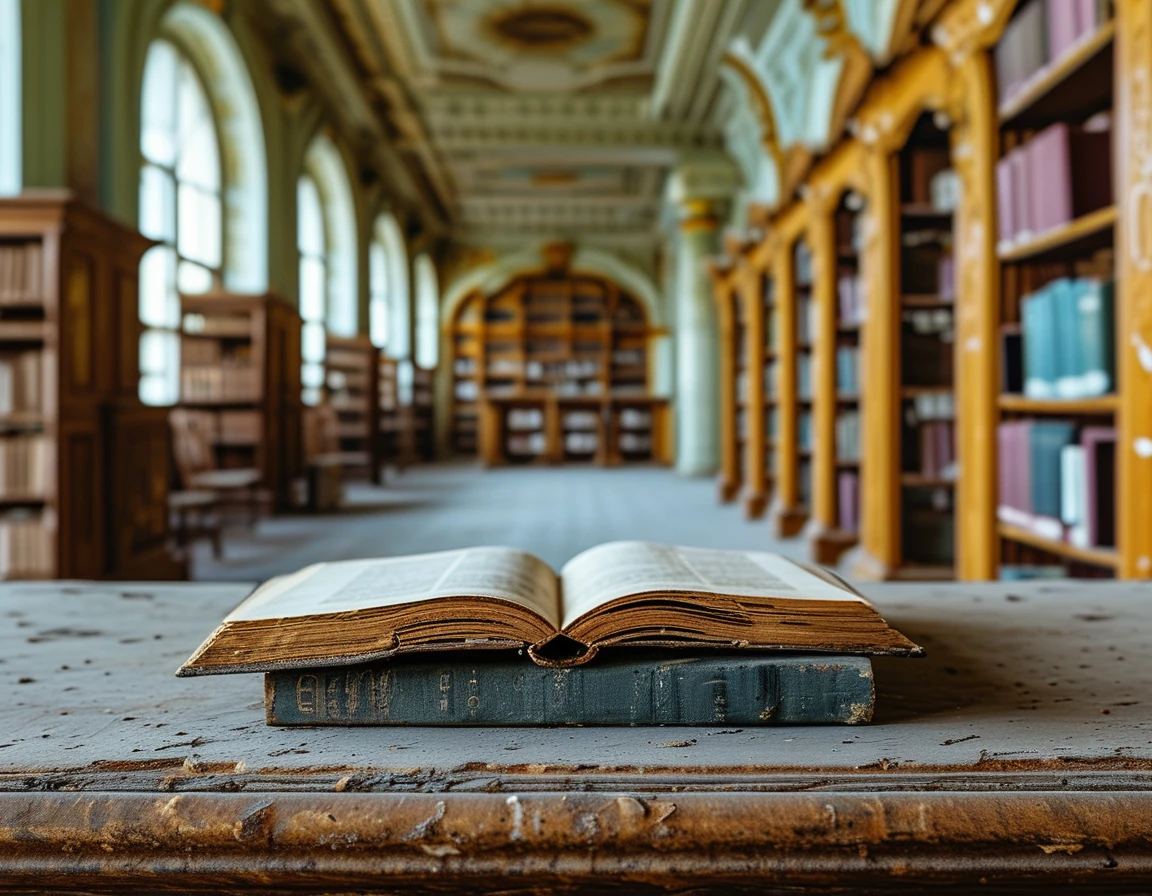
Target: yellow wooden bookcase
{"x":951,"y":78}
{"x":726,"y":294}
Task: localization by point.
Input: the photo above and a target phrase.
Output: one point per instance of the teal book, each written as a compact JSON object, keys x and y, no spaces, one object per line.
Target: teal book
{"x":647,"y":688}
{"x":1069,"y":356}
{"x":1039,"y":337}
{"x":1096,"y":323}
{"x":1048,"y":439}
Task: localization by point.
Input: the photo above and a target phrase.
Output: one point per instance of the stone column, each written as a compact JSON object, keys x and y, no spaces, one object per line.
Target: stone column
{"x":698,"y":189}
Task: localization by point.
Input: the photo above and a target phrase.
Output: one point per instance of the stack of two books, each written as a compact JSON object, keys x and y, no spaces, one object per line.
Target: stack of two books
{"x":629,"y":633}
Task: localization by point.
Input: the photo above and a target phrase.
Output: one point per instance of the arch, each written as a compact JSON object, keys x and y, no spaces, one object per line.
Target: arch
{"x":208,"y":43}
{"x":11,"y":85}
{"x":427,"y":312}
{"x":491,"y":278}
{"x":325,"y":169}
{"x":389,"y":308}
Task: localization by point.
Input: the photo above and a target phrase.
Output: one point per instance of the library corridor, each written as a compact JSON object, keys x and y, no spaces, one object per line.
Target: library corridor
{"x":575,"y":446}
{"x":553,"y":513}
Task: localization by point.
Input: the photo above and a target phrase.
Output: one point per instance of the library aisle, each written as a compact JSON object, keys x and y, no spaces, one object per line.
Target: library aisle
{"x":552,"y":512}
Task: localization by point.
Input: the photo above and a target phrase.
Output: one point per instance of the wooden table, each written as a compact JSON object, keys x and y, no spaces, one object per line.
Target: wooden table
{"x":1018,"y":754}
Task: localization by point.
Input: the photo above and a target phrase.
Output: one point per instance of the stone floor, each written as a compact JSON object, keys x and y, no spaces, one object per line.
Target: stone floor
{"x":553,"y":512}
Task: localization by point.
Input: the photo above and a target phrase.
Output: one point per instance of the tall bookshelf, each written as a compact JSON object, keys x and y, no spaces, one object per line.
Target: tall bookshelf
{"x":733,"y":364}
{"x":240,"y":362}
{"x":388,"y":395}
{"x":544,"y":366}
{"x":83,"y":464}
{"x":928,"y":467}
{"x":764,"y":395}
{"x":1059,"y":432}
{"x":351,"y":384}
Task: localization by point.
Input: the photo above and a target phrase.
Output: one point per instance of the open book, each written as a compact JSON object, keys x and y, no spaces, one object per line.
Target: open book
{"x":620,"y":593}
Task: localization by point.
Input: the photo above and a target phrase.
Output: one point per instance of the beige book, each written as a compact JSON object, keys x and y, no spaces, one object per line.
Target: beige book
{"x":616,"y":594}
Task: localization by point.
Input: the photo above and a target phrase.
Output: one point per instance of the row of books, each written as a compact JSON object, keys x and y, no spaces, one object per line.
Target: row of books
{"x":581,"y":420}
{"x":467,"y":390}
{"x":804,"y":376}
{"x":238,"y":427}
{"x":225,"y":326}
{"x":1068,"y":340}
{"x":934,"y":450}
{"x":926,"y":347}
{"x":525,"y":419}
{"x":850,"y":296}
{"x":848,"y":370}
{"x":1061,"y":174}
{"x":635,"y":418}
{"x":26,"y":550}
{"x":804,"y":431}
{"x":934,"y":405}
{"x":526,"y":443}
{"x":464,"y":366}
{"x":928,"y":266}
{"x":1059,"y":481}
{"x":576,"y":370}
{"x":207,"y":352}
{"x":635,"y":443}
{"x":1039,"y":35}
{"x":581,"y":442}
{"x":21,"y":273}
{"x":848,"y":501}
{"x":347,"y":359}
{"x":21,"y":382}
{"x":806,"y":325}
{"x":848,"y":436}
{"x":241,"y":383}
{"x":26,"y":465}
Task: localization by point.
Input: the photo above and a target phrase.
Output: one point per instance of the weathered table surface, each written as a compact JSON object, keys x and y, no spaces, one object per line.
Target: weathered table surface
{"x":1019,"y":752}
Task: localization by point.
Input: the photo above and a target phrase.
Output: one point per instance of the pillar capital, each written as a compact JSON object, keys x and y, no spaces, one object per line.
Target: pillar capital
{"x":700,"y":187}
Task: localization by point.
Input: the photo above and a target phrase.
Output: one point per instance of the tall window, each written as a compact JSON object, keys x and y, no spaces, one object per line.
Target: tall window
{"x":11,"y":150}
{"x":379,"y":293}
{"x":427,"y":313}
{"x":327,"y":244}
{"x":313,"y":284}
{"x":180,"y":206}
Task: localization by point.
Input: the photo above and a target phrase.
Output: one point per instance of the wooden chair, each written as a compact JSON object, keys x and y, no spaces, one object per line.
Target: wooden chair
{"x":197,"y":515}
{"x":192,"y":435}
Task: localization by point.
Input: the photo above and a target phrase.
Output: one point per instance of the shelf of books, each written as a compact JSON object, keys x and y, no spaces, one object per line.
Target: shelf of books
{"x":927,"y":290}
{"x":540,"y":366}
{"x":733,"y":362}
{"x":351,"y":384}
{"x":1055,"y":194}
{"x":83,"y":464}
{"x":240,"y":362}
{"x":416,"y":442}
{"x":757,"y":497}
{"x":839,"y":533}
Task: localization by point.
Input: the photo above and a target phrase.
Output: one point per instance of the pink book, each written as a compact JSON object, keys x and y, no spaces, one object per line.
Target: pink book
{"x":1050,"y":178}
{"x":1064,"y":26}
{"x":1021,"y":193}
{"x":848,"y":488}
{"x":1087,"y":20}
{"x":1006,"y":199}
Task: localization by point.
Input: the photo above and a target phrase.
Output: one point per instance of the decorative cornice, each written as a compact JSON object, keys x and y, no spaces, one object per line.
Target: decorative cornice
{"x":762,"y":101}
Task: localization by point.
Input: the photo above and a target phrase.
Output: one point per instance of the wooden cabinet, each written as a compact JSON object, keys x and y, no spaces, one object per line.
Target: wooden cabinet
{"x":240,"y":362}
{"x":83,"y":465}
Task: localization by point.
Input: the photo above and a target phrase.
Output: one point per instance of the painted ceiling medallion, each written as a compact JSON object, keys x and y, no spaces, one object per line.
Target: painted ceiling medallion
{"x":540,"y":29}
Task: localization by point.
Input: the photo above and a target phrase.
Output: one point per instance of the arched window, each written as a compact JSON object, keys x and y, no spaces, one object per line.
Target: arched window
{"x":326,"y":240}
{"x":427,"y":312}
{"x":180,"y":206}
{"x":388,"y":311}
{"x":203,"y":182}
{"x":11,"y":174}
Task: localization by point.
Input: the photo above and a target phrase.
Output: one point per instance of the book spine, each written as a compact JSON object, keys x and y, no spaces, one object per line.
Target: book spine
{"x":787,"y":690}
{"x":1070,"y":357}
{"x":1095,"y":323}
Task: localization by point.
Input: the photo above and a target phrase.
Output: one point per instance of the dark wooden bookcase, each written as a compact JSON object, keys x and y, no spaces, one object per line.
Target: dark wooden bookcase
{"x":85,"y":465}
{"x":240,"y":361}
{"x":351,"y":389}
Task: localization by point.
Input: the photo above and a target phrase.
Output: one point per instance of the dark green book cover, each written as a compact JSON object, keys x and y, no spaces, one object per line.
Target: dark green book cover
{"x":661,"y":689}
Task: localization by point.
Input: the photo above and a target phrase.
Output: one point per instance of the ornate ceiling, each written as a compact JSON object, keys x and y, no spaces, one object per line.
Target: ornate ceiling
{"x":547,"y":118}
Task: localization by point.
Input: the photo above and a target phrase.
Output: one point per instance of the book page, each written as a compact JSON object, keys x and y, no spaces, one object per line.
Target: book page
{"x":622,"y":568}
{"x":351,"y":585}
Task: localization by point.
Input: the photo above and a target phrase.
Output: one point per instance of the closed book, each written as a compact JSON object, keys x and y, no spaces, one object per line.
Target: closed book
{"x":1063,"y":26}
{"x":1005,"y":201}
{"x":1096,"y":326}
{"x":1100,"y":474}
{"x":1048,"y":438}
{"x":1074,"y":494}
{"x":645,"y":689}
{"x":1038,"y":311}
{"x":1050,"y":177}
{"x":1069,"y":354}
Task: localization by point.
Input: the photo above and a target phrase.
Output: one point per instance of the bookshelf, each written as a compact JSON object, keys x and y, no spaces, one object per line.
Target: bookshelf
{"x":387,"y":391}
{"x":762,"y":387}
{"x":1058,"y":432}
{"x":351,"y":384}
{"x":84,"y":466}
{"x":415,"y":440}
{"x":536,"y":364}
{"x":240,"y":363}
{"x":787,"y":371}
{"x":733,"y":370}
{"x":927,"y":297}
{"x":837,"y":230}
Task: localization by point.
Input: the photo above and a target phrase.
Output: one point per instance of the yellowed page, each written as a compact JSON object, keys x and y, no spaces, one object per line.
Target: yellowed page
{"x":622,"y":568}
{"x":349,"y":585}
